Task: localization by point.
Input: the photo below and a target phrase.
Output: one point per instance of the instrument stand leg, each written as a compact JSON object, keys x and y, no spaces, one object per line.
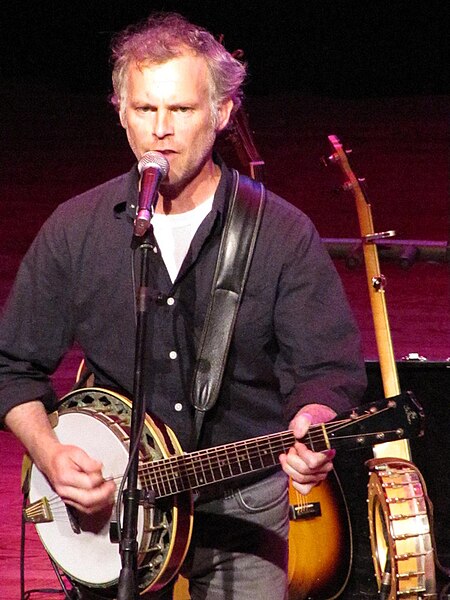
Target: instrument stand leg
{"x":25,"y":594}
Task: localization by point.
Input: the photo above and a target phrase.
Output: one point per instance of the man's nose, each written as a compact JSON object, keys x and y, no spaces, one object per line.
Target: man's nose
{"x":162,"y":124}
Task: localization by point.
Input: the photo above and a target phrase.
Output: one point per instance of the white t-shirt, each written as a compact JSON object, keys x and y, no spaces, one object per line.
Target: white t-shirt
{"x":174,"y":233}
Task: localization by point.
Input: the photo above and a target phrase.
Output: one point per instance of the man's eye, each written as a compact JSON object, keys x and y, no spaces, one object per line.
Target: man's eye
{"x":144,"y":109}
{"x":183,"y":109}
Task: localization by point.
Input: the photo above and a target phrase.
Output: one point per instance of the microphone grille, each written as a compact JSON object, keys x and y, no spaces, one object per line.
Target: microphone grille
{"x":155,"y":160}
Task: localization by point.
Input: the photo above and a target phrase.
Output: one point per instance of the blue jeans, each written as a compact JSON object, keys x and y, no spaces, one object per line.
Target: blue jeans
{"x":239,"y":547}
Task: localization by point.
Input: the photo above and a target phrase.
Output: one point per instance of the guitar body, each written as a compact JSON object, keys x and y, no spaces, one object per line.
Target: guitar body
{"x":320,"y":545}
{"x":320,"y":542}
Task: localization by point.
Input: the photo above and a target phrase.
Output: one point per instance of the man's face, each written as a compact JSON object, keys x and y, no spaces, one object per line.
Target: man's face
{"x":166,"y":108}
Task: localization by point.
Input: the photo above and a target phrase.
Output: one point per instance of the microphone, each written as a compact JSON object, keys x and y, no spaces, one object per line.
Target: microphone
{"x":153,"y":168}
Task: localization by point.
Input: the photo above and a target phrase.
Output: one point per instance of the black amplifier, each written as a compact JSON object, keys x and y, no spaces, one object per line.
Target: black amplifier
{"x":430,"y":383}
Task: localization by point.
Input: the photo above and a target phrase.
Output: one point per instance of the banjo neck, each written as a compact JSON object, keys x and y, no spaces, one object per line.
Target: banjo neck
{"x":376,"y":285}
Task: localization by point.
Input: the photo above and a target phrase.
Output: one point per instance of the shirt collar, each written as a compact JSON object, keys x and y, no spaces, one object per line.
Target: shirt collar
{"x":127,"y":207}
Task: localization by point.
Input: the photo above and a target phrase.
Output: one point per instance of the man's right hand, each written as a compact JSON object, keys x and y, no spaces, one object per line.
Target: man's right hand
{"x":76,"y":477}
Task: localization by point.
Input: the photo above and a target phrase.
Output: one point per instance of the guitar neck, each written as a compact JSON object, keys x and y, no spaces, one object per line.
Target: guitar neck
{"x":376,"y":286}
{"x":374,"y":423}
{"x":214,"y":465}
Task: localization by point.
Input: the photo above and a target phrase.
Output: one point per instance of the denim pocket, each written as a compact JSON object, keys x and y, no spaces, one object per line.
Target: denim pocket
{"x":263,"y":495}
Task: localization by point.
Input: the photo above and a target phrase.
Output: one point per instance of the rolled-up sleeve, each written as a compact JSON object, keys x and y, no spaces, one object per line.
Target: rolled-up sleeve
{"x":35,"y":326}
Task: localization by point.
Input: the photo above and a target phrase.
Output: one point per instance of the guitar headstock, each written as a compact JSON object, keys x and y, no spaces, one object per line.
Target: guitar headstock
{"x":358,"y":187}
{"x":339,"y":156}
{"x":391,"y":419}
{"x":339,"y":152}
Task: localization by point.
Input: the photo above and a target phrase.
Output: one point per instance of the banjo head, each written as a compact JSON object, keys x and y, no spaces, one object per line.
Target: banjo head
{"x":98,"y":421}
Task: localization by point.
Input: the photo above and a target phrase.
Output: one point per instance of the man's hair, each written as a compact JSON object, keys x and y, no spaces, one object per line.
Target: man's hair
{"x":164,"y":36}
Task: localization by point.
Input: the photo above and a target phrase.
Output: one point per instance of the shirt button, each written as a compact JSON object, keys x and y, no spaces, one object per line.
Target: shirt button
{"x":170,"y":301}
{"x":173,"y":355}
{"x":178,"y":406}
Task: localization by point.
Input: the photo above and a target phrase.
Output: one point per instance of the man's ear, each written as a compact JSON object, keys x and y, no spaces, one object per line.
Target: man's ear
{"x":224,"y":114}
{"x":122,"y":116}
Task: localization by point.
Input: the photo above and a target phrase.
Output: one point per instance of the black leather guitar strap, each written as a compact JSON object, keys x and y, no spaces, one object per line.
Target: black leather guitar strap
{"x":233,"y":262}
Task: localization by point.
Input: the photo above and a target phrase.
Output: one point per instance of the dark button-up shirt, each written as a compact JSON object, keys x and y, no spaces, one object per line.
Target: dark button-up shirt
{"x":295,"y":341}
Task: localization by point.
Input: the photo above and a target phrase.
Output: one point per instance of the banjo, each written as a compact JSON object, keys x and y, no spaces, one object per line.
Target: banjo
{"x":85,"y":548}
{"x":399,"y":511}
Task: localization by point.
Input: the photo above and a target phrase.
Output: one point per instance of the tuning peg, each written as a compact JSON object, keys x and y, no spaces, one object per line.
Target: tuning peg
{"x":379,"y":283}
{"x":333,"y":158}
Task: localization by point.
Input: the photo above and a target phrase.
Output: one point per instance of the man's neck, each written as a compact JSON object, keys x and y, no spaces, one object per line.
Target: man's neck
{"x":193,"y":194}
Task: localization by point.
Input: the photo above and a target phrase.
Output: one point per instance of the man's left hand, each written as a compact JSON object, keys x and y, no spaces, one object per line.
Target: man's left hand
{"x":305,"y":467}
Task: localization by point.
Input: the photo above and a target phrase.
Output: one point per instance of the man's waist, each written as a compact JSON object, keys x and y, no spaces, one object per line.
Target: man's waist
{"x":224,"y":489}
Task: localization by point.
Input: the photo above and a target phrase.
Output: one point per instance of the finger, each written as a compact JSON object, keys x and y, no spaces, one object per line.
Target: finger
{"x":310,"y":459}
{"x":300,"y":463}
{"x":73,"y":477}
{"x":304,"y":483}
{"x":301,"y":424}
{"x":314,"y":460}
{"x":86,"y":463}
{"x":78,"y":469}
{"x":303,"y":488}
{"x":89,"y":501}
{"x":299,"y":472}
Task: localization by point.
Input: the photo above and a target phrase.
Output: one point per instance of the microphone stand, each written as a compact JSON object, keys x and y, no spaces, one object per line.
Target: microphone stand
{"x":128,"y":581}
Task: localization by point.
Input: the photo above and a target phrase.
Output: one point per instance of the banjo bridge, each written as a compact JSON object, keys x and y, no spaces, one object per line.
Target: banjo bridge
{"x":38,"y":512}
